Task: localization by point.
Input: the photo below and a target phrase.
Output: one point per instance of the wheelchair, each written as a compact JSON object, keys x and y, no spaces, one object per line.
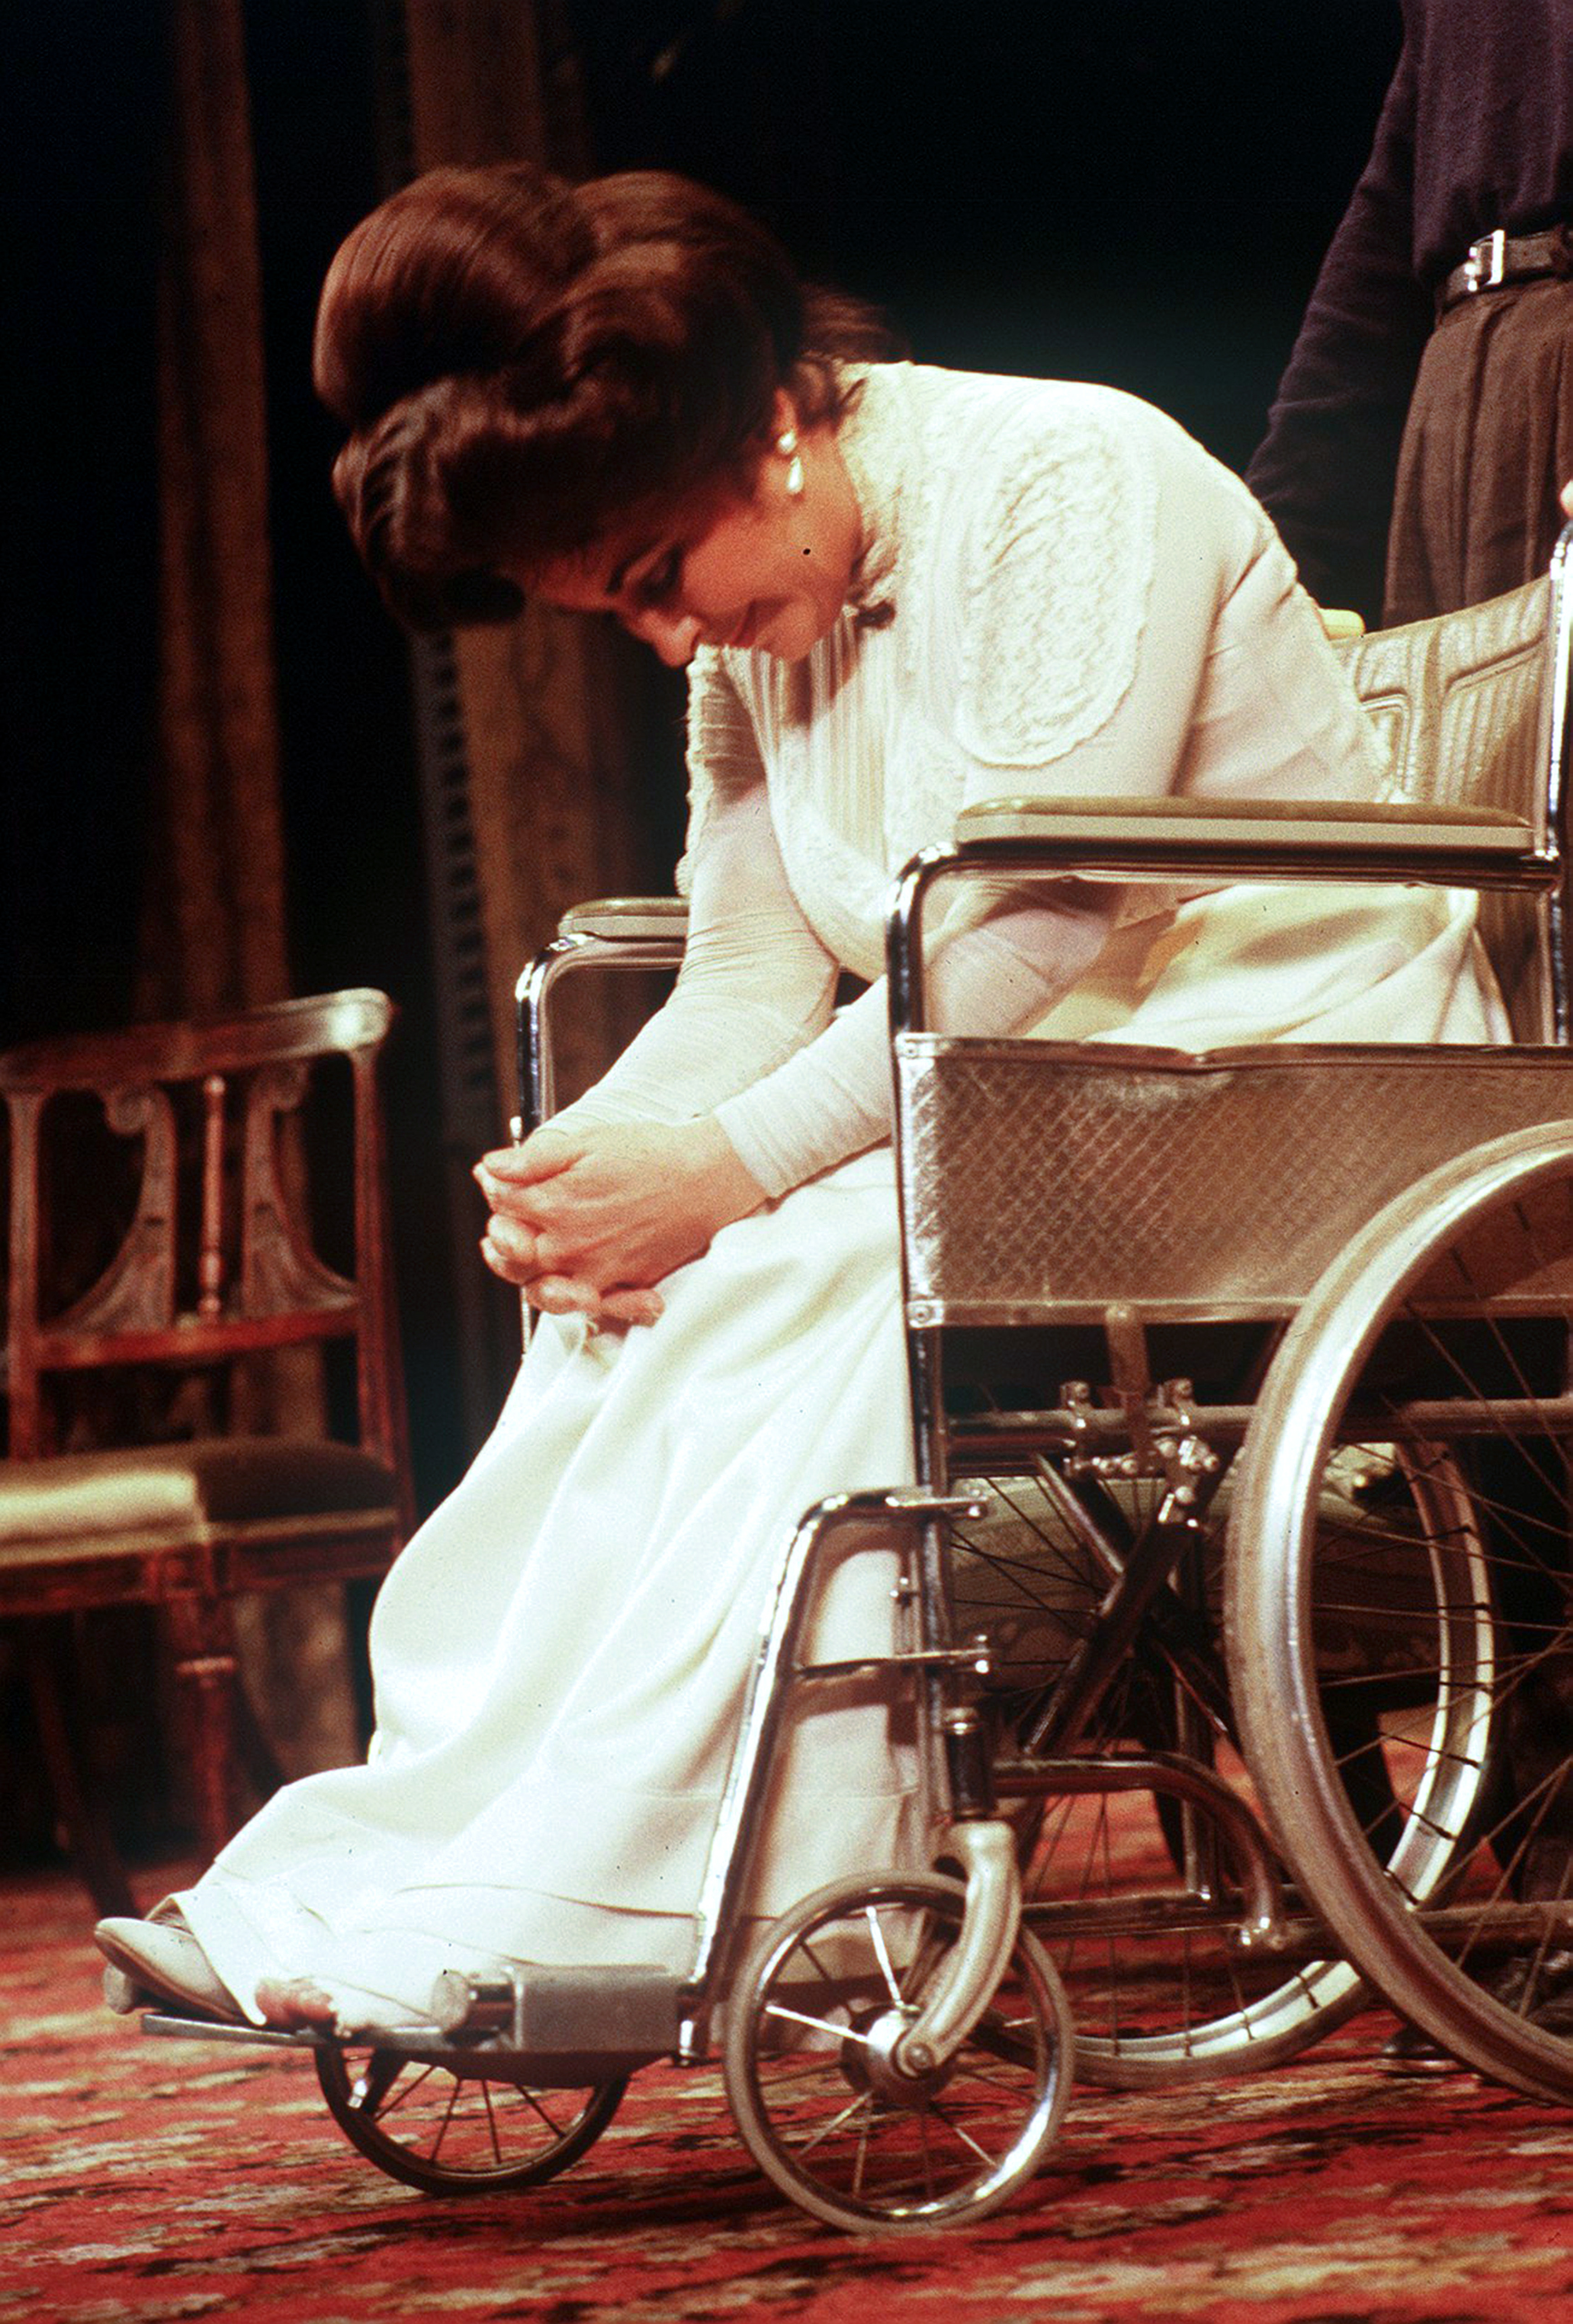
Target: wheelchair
{"x":1237,"y":1608}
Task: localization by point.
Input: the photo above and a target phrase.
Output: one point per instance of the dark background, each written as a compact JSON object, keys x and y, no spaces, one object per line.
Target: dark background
{"x":1138,"y":193}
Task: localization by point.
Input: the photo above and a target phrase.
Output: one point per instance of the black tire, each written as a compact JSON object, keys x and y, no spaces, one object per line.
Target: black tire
{"x":451,"y":2129}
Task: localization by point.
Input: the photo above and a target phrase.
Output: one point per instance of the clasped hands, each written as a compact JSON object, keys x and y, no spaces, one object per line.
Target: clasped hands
{"x":588,"y":1218}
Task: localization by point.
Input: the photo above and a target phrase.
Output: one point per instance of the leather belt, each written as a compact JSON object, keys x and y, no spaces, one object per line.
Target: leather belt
{"x":1499,"y":258}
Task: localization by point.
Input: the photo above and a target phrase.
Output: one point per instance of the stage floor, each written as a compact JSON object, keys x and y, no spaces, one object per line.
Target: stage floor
{"x":144,"y":2181}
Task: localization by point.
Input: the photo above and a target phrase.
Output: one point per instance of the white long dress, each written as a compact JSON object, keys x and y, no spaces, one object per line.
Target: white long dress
{"x":1061,"y":593}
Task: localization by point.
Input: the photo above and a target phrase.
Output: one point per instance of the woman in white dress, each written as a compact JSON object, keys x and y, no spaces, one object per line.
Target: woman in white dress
{"x":896,"y":590}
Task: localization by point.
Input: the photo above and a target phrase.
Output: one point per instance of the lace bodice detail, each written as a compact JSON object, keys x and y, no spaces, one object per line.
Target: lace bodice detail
{"x":1009,"y":525}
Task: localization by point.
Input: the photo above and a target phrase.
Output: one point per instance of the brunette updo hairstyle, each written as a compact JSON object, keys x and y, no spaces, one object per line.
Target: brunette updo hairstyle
{"x":525,"y":364}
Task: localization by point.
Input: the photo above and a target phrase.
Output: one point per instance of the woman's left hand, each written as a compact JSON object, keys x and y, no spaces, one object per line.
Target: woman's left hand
{"x":588,"y":1218}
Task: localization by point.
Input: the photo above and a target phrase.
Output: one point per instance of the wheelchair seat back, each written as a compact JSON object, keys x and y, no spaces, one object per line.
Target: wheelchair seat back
{"x":1463,"y":707}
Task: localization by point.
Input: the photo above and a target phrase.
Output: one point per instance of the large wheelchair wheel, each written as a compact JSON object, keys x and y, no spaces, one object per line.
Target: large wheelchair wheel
{"x":1419,"y":1771}
{"x":1131,"y":1894}
{"x":815,"y":2084}
{"x":448,"y":2131}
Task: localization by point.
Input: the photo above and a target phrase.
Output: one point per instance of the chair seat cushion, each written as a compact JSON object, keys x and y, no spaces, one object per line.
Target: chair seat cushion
{"x":171,"y":1496}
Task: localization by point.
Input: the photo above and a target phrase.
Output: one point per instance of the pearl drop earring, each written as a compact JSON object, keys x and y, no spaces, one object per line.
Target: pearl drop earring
{"x":787,"y":445}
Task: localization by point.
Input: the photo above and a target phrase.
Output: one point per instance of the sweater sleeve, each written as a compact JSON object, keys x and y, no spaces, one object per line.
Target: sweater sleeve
{"x":1325,"y":468}
{"x":997,"y":974}
{"x":756,"y":983}
{"x":748,"y":1033}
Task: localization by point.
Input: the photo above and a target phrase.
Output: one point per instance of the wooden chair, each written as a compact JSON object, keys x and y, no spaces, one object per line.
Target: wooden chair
{"x":163,"y":1257}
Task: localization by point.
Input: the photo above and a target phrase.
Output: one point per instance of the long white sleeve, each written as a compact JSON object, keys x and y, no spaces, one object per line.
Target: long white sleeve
{"x":756,"y":983}
{"x":748,"y":1032}
{"x":833,"y":1098}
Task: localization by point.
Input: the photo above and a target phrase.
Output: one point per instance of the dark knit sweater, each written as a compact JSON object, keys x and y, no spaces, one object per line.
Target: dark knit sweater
{"x":1476,"y":133}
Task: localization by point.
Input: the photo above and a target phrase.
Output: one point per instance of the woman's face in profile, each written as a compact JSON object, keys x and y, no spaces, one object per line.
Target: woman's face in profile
{"x":751,"y":567}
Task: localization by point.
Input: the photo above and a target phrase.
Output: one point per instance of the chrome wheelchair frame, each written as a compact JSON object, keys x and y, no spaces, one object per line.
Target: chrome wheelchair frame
{"x":1313,"y":1714}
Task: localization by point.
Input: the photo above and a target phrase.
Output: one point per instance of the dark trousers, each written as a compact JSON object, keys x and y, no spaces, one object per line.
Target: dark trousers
{"x":1488,"y":444}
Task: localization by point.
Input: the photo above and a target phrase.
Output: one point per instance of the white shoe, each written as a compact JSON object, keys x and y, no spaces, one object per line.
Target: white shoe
{"x":160,"y":1960}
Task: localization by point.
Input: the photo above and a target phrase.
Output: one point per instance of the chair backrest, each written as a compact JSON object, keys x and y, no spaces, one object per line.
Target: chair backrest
{"x":190,"y":1136}
{"x":1466,"y":707}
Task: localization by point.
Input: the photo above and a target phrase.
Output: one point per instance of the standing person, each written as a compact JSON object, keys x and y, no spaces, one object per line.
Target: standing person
{"x":1432,"y":375}
{"x":896,"y":589}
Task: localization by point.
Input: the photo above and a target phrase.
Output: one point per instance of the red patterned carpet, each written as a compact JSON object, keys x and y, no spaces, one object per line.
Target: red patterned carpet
{"x":144,"y":2181}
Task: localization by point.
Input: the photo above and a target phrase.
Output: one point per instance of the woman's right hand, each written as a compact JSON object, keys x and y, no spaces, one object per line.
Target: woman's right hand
{"x":588,"y":1219}
{"x":511,"y":1246}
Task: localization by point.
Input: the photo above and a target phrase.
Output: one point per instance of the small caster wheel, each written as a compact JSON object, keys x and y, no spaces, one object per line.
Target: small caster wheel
{"x":458,"y":2128}
{"x":812,"y":2072}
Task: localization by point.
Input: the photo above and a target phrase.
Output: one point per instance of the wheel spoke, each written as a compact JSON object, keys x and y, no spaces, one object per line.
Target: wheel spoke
{"x":862,"y":2103}
{"x":940,"y":2114}
{"x":408,"y":2092}
{"x":862,"y":2155}
{"x":490,"y":2121}
{"x":928,"y":2183}
{"x":448,"y":2117}
{"x":779,"y":2010}
{"x":881,"y":1954}
{"x":532,"y":2100}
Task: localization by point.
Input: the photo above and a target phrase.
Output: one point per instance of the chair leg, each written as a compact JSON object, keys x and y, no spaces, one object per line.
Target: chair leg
{"x":45,"y":1651}
{"x":202,"y":1637}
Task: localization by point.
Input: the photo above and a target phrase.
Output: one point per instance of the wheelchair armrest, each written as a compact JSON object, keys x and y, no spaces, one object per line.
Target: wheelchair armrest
{"x":1181,"y":840}
{"x":620,"y":920}
{"x":616,"y":932}
{"x":1318,"y":838}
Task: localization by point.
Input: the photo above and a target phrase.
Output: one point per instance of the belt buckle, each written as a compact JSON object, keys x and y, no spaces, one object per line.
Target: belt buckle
{"x":1486,"y":265}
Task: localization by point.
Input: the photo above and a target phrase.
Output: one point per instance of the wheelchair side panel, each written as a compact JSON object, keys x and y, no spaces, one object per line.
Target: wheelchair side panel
{"x":1044,"y":1182}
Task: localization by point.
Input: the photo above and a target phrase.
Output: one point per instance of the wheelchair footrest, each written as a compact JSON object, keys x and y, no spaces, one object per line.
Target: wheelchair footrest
{"x":620,"y":2012}
{"x":556,"y":2027}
